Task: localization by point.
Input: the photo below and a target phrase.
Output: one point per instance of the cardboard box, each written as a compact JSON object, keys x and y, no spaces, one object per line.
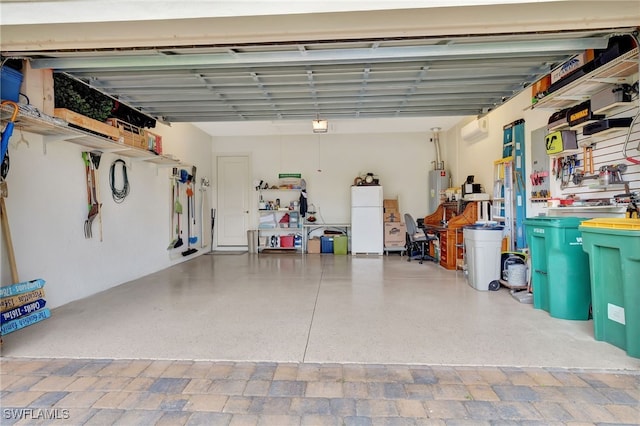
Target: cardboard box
{"x":390,"y":204}
{"x":539,"y":88}
{"x":391,"y":215}
{"x":571,"y":65}
{"x":313,"y":245}
{"x":395,"y":234}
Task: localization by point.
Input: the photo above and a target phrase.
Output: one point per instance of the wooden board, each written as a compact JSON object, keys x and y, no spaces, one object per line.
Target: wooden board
{"x":87,"y":123}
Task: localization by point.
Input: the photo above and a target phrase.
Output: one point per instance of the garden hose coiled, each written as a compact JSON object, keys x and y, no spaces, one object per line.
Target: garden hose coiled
{"x":119,"y":194}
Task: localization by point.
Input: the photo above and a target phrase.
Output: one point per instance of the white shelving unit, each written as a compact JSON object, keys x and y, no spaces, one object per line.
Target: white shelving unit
{"x":269,"y":219}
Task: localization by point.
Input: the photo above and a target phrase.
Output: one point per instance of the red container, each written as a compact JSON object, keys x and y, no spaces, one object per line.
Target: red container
{"x":286,"y":240}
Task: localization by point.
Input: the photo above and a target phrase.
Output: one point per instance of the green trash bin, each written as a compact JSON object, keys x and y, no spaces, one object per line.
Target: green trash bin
{"x":613,"y":246}
{"x":559,"y":267}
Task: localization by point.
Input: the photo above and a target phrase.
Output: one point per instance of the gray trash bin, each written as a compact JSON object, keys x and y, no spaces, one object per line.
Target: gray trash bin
{"x":252,"y":240}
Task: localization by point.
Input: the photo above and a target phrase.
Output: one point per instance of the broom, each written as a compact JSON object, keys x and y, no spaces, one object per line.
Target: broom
{"x":190,"y":250}
{"x":176,"y":209}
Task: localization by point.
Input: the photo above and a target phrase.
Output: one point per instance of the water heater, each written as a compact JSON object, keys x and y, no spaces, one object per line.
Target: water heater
{"x":438,"y":184}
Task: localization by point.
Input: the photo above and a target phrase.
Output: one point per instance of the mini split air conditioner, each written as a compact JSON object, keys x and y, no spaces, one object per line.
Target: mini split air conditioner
{"x":475,"y":130}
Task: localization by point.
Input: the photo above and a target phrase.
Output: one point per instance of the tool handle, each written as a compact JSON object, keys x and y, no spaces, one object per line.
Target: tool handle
{"x":7,"y":236}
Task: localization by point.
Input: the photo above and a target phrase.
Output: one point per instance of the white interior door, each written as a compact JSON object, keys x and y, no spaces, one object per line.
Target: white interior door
{"x":233,"y":200}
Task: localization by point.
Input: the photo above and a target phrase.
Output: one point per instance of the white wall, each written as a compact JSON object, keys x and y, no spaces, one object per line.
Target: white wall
{"x":47,"y":207}
{"x":330,"y":162}
{"x":476,"y":157}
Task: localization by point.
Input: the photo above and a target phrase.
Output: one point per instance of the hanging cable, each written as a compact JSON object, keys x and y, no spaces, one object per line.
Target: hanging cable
{"x":119,"y":194}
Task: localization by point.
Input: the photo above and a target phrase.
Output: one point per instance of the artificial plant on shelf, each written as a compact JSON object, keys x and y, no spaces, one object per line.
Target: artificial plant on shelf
{"x":76,"y":96}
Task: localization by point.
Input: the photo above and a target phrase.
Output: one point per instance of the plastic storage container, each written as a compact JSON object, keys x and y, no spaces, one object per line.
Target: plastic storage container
{"x":10,"y":81}
{"x":340,"y":243}
{"x":613,"y":247}
{"x":482,"y":254}
{"x":559,"y":267}
{"x":326,"y":244}
{"x":286,"y":241}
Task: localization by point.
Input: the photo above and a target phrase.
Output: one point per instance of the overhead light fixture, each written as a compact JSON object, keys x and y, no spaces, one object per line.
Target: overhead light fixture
{"x":320,"y":126}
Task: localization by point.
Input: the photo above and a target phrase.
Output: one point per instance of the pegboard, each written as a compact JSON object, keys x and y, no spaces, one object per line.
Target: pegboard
{"x":606,"y":150}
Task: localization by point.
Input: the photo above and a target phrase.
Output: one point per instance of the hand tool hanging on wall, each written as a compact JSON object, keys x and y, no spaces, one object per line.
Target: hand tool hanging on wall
{"x":190,"y":250}
{"x":190,"y":212}
{"x":174,"y":234}
{"x":579,"y":177}
{"x":204,"y":186}
{"x":92,"y":203}
{"x":587,"y":154}
{"x":194,"y":183}
{"x":177,"y":209}
{"x":95,"y":162}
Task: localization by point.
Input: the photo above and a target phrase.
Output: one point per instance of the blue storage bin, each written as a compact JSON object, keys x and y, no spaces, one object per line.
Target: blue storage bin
{"x":10,"y":81}
{"x":326,"y":244}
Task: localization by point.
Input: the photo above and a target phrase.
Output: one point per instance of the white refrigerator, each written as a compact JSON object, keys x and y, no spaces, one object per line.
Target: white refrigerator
{"x":367,"y":227}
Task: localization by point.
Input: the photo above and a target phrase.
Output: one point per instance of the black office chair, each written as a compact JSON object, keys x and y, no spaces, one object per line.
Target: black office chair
{"x":417,"y":241}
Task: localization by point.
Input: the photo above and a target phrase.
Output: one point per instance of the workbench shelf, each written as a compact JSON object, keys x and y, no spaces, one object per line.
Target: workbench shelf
{"x":53,"y":129}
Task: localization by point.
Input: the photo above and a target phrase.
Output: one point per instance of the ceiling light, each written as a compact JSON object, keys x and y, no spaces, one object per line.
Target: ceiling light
{"x":320,"y":126}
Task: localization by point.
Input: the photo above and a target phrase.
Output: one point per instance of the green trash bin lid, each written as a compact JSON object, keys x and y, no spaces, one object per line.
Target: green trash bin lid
{"x":555,"y":221}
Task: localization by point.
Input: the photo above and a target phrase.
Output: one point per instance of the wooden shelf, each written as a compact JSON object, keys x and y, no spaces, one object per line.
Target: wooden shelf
{"x":617,"y":71}
{"x":53,"y":129}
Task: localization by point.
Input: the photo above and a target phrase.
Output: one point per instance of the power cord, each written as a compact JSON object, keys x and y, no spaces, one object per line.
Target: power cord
{"x":119,"y":194}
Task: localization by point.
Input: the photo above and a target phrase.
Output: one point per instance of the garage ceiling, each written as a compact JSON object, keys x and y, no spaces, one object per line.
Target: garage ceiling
{"x":404,"y":77}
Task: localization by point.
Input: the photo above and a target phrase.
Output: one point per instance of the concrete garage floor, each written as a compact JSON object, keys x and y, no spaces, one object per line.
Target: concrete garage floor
{"x":316,"y":340}
{"x":314,"y":308}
